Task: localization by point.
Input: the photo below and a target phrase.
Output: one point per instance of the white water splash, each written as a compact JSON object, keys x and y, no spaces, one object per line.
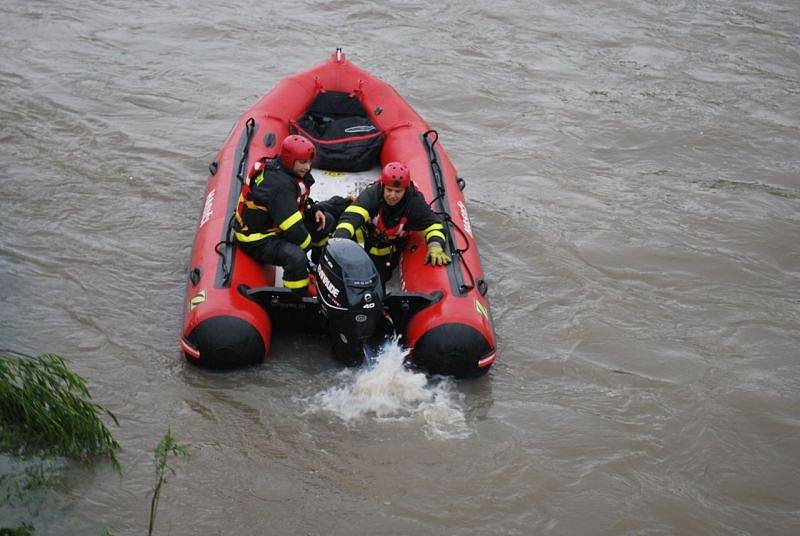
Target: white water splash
{"x":391,"y":392}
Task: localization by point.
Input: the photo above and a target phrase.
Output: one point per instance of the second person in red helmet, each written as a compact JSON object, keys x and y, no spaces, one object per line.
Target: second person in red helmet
{"x":383,"y":215}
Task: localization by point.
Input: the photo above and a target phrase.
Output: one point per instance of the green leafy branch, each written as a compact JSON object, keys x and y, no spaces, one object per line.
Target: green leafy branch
{"x":166,"y":447}
{"x":47,"y":410}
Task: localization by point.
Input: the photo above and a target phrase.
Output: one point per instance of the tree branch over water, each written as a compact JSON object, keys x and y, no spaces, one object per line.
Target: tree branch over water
{"x":46,"y":410}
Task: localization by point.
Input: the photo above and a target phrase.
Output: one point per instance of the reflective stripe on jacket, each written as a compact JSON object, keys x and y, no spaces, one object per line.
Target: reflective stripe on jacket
{"x":386,"y":226}
{"x":272,"y":205}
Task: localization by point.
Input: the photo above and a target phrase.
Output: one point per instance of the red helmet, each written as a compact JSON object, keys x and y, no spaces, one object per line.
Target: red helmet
{"x":396,"y":175}
{"x":296,"y":148}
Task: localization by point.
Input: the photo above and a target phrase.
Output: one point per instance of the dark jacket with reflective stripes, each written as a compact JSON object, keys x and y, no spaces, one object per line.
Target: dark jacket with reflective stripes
{"x":273,"y":207}
{"x":413,"y":211}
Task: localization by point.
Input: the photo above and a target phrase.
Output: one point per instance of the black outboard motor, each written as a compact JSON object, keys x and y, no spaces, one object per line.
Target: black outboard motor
{"x":351,"y":298}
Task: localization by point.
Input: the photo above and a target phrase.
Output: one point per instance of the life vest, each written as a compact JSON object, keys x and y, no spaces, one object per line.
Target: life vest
{"x":384,"y":240}
{"x":388,"y":234}
{"x":302,"y":199}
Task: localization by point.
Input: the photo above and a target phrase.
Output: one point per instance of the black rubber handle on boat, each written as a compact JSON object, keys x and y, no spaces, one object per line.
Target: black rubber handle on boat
{"x":250,"y":128}
{"x":457,"y":281}
{"x":225,"y":267}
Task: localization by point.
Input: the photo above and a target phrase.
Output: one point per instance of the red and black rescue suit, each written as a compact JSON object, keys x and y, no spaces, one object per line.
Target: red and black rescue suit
{"x":275,"y":221}
{"x":381,"y":228}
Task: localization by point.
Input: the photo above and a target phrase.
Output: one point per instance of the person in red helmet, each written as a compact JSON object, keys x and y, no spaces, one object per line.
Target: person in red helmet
{"x":276,"y":221}
{"x":384,"y":213}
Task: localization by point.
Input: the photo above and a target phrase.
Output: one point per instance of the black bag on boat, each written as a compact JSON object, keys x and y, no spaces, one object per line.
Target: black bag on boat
{"x":345,"y":138}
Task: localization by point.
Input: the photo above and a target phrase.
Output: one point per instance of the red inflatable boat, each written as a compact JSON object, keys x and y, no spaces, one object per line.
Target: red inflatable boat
{"x":232,"y":304}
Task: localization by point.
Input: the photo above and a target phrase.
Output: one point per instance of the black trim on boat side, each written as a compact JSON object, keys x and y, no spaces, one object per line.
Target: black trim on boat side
{"x":458,"y":285}
{"x":225,"y":247}
{"x":402,"y":306}
{"x":288,"y":311}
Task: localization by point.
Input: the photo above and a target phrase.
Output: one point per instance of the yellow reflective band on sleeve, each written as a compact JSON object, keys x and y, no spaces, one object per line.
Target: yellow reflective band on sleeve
{"x":306,"y":243}
{"x":434,"y":230}
{"x":241,"y":237}
{"x":295,"y":284}
{"x":291,"y":220}
{"x":259,"y":178}
{"x":361,"y":211}
{"x":435,"y":234}
{"x":347,"y":227}
{"x":434,"y":227}
{"x":360,"y":238}
{"x":320,"y":243}
{"x":380,"y":252}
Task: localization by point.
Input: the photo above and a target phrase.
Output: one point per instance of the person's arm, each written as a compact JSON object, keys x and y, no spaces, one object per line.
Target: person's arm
{"x":421,"y":218}
{"x":331,"y":209}
{"x":283,"y":209}
{"x":356,"y":214}
{"x":334,"y":206}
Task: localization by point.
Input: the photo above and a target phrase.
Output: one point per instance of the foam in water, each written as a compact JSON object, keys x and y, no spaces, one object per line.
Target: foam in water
{"x":389,"y":391}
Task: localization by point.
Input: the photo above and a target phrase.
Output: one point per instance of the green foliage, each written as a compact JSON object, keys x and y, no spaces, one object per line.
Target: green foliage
{"x":46,"y":410}
{"x":166,"y":447}
{"x":22,"y":530}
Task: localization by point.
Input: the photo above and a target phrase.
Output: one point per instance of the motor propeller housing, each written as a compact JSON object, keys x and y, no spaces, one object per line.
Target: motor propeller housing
{"x":351,"y":298}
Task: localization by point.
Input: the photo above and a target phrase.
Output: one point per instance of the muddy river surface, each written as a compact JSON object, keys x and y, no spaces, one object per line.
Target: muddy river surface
{"x":633,"y":181}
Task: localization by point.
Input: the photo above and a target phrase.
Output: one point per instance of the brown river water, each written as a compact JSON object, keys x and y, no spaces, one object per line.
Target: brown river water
{"x":633,"y":179}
